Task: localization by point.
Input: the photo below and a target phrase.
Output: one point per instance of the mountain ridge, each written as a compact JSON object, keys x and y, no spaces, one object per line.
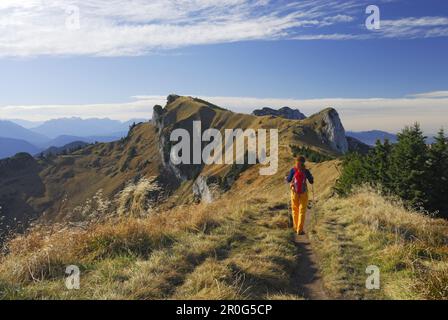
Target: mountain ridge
{"x":69,"y":180}
{"x":10,"y":147}
{"x":284,"y":112}
{"x":9,"y":129}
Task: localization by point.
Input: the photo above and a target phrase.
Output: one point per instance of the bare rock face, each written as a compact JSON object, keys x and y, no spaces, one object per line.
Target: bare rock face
{"x":202,"y":191}
{"x":285,"y":112}
{"x":157,"y":115}
{"x":164,"y":144}
{"x":332,"y":131}
{"x":165,"y":121}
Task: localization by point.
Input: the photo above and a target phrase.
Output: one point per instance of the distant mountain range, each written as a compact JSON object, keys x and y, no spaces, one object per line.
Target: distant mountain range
{"x":9,"y":129}
{"x":64,"y":139}
{"x":371,"y":137}
{"x":10,"y":147}
{"x":34,"y":137}
{"x":26,"y":123}
{"x":83,"y":127}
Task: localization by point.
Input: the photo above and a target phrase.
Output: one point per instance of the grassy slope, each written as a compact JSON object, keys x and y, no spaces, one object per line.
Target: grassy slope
{"x":237,"y":247}
{"x":190,"y":254}
{"x":72,"y":179}
{"x":365,"y":229}
{"x":52,"y":188}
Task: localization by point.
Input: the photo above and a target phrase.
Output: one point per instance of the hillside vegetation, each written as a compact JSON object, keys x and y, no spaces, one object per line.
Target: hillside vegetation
{"x":52,"y":188}
{"x":132,"y":222}
{"x":410,"y":249}
{"x":410,"y":169}
{"x":239,"y":247}
{"x":385,"y":217}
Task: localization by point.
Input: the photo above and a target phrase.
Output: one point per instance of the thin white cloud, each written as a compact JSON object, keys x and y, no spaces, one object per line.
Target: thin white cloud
{"x":433,"y":94}
{"x":137,"y":27}
{"x":417,"y":22}
{"x":332,"y":36}
{"x":415,"y":27}
{"x":390,"y":114}
{"x":117,"y":27}
{"x":403,"y":28}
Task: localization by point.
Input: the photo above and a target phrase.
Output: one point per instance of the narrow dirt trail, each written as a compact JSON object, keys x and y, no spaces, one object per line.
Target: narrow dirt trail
{"x":307,"y":277}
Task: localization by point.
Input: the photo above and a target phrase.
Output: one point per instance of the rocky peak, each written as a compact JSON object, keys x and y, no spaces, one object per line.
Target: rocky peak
{"x":171,"y":98}
{"x":285,"y":112}
{"x":157,"y":116}
{"x":331,"y":130}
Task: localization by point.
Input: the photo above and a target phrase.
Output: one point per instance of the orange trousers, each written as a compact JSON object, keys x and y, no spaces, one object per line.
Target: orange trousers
{"x":299,"y":204}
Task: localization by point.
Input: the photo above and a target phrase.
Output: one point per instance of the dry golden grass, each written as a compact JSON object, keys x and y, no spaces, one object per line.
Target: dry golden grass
{"x":365,"y":229}
{"x":214,"y":280}
{"x":40,"y":255}
{"x":237,"y":247}
{"x":127,"y":249}
{"x":230,"y":249}
{"x":432,"y":282}
{"x":138,"y":199}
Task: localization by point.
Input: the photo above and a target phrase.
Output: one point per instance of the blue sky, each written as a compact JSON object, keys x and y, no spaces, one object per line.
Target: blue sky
{"x":124,"y":56}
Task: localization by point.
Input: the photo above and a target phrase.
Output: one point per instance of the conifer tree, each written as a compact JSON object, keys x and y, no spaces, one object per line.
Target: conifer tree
{"x":379,"y":164}
{"x":438,"y":174}
{"x":354,"y":172}
{"x":408,"y":166}
{"x":409,"y":169}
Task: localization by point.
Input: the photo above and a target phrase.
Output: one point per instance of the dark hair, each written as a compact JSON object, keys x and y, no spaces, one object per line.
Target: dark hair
{"x":301,"y":159}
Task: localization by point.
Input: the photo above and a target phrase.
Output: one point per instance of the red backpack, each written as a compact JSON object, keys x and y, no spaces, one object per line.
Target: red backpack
{"x":299,"y":181}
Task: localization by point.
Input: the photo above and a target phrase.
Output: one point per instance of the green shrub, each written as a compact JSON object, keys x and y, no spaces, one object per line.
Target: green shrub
{"x":309,"y":154}
{"x":410,"y":169}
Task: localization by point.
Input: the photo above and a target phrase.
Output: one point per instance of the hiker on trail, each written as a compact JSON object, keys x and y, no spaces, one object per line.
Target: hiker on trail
{"x":297,"y":178}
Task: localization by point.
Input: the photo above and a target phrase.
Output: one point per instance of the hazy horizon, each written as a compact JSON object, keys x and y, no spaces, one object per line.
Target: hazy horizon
{"x":390,"y":115}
